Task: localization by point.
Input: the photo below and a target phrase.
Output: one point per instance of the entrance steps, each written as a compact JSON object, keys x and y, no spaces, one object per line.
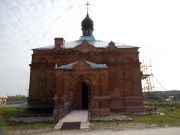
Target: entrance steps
{"x":77,"y":119}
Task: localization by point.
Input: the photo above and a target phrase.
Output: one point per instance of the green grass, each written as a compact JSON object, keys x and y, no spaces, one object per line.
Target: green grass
{"x":170,"y":117}
{"x":8,"y":112}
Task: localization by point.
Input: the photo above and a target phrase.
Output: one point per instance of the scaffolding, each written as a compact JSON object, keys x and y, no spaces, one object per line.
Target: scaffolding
{"x":147,"y":78}
{"x":148,"y":88}
{"x":148,"y":85}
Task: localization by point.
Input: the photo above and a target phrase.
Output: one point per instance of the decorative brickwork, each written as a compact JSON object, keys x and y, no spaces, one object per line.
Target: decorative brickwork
{"x":100,"y":76}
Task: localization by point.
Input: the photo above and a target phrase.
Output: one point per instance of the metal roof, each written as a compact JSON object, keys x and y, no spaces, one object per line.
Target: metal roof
{"x":93,"y":65}
{"x":2,"y":96}
{"x":91,"y":40}
{"x":68,"y":66}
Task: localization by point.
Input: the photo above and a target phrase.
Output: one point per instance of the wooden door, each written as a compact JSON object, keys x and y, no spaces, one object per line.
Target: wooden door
{"x":78,"y":97}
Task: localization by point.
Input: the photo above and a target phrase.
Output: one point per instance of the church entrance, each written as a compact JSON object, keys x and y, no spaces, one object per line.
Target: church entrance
{"x":81,"y":97}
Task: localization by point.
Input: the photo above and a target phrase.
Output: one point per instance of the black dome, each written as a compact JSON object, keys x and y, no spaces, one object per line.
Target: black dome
{"x":87,"y":26}
{"x":87,"y":22}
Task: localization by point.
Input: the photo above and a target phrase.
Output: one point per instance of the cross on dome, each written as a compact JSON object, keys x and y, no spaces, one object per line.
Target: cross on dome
{"x":87,"y":24}
{"x":87,"y":4}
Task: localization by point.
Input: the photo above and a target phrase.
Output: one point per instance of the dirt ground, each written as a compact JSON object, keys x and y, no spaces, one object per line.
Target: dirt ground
{"x":123,"y":129}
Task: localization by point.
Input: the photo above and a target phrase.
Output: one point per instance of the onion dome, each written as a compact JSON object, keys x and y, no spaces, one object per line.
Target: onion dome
{"x":87,"y":26}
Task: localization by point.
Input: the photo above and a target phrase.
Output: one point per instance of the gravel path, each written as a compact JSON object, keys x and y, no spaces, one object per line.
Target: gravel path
{"x":156,"y":131}
{"x":125,"y":129}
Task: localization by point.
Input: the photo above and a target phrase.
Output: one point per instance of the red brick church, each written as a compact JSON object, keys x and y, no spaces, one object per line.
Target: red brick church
{"x":99,"y":76}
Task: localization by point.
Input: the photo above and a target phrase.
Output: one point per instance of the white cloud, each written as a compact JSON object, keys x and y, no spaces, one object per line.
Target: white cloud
{"x":152,"y":25}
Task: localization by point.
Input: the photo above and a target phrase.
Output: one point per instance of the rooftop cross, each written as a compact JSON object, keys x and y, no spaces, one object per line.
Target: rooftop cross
{"x":87,"y":4}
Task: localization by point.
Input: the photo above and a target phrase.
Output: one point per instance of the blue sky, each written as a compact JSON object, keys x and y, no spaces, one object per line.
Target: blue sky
{"x":153,"y":25}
